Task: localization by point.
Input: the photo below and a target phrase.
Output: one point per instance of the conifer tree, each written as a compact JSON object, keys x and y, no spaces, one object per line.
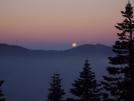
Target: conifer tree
{"x":120,"y":83}
{"x":55,"y":91}
{"x":86,"y":87}
{"x":1,"y":95}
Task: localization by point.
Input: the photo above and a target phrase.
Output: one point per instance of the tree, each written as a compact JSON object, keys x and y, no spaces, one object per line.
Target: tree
{"x":1,"y":95}
{"x":56,"y":92}
{"x":120,"y":84}
{"x":86,"y":87}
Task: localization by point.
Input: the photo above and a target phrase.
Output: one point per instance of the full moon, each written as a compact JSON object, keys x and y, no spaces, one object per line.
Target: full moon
{"x":74,"y":44}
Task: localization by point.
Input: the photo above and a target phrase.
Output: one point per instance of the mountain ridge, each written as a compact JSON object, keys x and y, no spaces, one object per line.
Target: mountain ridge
{"x":4,"y":45}
{"x":81,"y":50}
{"x":26,"y":70}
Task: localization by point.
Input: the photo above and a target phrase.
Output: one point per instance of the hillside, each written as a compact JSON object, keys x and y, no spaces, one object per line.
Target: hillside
{"x":28,"y":72}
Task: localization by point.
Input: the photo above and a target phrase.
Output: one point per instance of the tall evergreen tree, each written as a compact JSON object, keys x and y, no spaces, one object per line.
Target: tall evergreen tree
{"x":1,"y":95}
{"x":86,"y":87}
{"x":56,"y":92}
{"x":121,"y":82}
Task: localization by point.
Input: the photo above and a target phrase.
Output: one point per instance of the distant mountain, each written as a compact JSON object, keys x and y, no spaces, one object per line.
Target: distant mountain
{"x":28,"y":72}
{"x":82,"y":50}
{"x":89,"y":49}
{"x":12,"y":50}
{"x":18,"y":51}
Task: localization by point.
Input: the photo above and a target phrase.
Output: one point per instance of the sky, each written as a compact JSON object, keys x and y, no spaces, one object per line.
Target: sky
{"x":56,"y":24}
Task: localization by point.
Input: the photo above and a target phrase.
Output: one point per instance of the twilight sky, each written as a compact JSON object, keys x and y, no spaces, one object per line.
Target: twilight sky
{"x":56,"y":24}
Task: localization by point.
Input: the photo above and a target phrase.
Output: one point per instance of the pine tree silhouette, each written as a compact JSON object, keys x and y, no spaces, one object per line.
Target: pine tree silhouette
{"x":121,"y":82}
{"x":1,"y":95}
{"x":86,"y":87}
{"x":55,"y":91}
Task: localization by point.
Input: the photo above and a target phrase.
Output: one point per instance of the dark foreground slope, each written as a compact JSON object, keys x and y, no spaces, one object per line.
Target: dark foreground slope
{"x":27,"y":72}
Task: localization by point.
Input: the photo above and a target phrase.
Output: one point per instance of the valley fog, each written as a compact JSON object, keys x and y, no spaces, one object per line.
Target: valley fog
{"x":27,"y":77}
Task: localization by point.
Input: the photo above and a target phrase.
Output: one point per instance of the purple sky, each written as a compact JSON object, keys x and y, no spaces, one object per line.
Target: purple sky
{"x":56,"y":24}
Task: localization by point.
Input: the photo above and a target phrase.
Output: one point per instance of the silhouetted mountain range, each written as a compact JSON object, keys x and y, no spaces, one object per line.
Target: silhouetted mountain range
{"x":27,"y":73}
{"x":82,"y":50}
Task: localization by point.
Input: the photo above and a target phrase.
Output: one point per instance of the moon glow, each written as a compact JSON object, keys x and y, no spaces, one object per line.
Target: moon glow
{"x":74,"y":44}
